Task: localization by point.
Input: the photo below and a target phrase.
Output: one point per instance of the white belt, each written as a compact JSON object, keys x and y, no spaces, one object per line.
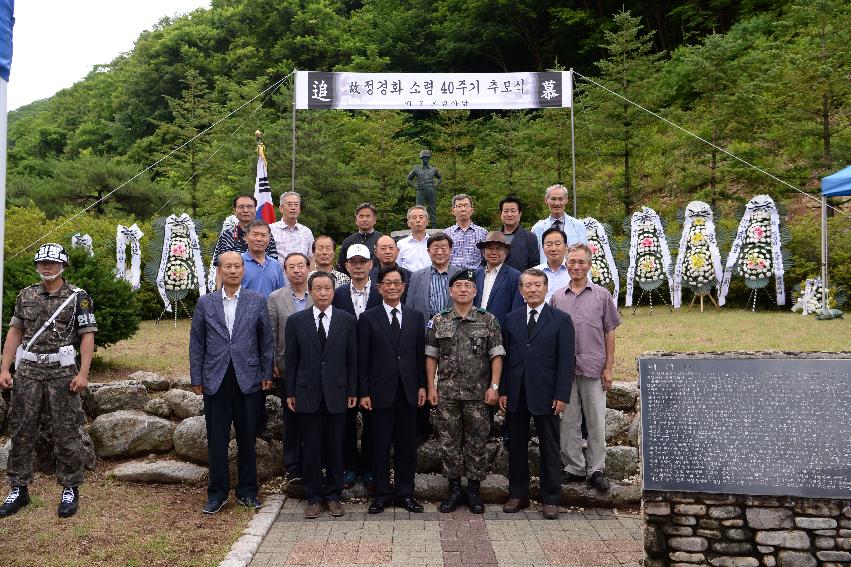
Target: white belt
{"x":51,"y":358}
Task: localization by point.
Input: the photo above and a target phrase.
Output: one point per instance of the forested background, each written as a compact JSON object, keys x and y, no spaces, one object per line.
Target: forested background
{"x":769,"y":80}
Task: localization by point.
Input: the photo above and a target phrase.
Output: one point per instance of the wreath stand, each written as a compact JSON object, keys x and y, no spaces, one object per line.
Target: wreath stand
{"x":700,"y":293}
{"x":176,"y":298}
{"x":651,"y":288}
{"x":755,"y":285}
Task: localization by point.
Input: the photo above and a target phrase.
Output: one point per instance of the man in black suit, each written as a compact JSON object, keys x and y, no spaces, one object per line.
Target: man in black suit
{"x":355,"y":298}
{"x":320,"y":376}
{"x":536,"y":382}
{"x":387,"y":252}
{"x":524,"y":251}
{"x":391,"y":379}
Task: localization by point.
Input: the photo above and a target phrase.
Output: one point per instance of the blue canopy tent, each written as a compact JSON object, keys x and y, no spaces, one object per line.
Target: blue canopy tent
{"x":835,"y":185}
{"x":7,"y":22}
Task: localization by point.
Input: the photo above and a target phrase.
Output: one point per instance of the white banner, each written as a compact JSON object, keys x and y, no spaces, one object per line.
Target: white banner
{"x":433,"y":91}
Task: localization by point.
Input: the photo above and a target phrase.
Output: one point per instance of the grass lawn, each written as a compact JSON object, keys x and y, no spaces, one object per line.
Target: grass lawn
{"x":119,"y":524}
{"x":164,"y":348}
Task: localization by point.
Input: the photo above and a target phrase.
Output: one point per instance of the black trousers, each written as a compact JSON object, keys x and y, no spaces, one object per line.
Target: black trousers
{"x":547,"y":427}
{"x":354,"y":459}
{"x":396,"y":425}
{"x":229,"y":405}
{"x":322,"y":444}
{"x":292,"y":439}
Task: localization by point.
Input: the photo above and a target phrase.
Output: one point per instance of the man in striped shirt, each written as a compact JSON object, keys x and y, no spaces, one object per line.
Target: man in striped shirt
{"x":289,"y":235}
{"x":465,"y":234}
{"x":233,"y":239}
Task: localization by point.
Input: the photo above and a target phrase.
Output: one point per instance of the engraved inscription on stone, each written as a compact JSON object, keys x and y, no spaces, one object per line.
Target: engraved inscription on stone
{"x":747,"y":426}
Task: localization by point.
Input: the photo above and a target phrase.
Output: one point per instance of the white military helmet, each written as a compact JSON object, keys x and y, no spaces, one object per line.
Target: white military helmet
{"x":51,"y":252}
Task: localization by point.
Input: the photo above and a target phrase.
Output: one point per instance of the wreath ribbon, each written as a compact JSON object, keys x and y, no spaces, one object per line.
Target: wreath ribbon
{"x":124,"y":236}
{"x":593,"y":226}
{"x":646,"y":214}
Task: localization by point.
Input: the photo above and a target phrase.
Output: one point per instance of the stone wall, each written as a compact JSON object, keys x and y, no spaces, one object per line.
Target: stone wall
{"x":687,"y":529}
{"x":154,"y":430}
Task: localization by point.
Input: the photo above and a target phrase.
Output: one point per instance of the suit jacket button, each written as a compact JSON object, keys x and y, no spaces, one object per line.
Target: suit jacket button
{"x":398,"y":358}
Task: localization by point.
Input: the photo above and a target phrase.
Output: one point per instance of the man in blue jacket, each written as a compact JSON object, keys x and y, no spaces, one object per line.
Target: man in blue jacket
{"x":536,"y":382}
{"x":231,"y":346}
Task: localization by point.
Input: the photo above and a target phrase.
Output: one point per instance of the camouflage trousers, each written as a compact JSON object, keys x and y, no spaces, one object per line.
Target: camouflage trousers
{"x":30,"y":400}
{"x":463,"y":433}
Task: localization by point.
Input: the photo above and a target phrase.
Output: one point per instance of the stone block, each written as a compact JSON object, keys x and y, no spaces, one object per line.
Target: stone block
{"x":654,"y":541}
{"x":683,"y":557}
{"x":621,"y":462}
{"x":838,"y":556}
{"x":823,"y":542}
{"x":152,"y":381}
{"x":739,"y":534}
{"x":184,"y":404}
{"x":724,"y":512}
{"x":124,"y":395}
{"x":685,"y":520}
{"x":769,"y":561}
{"x":127,"y":433}
{"x":617,"y":424}
{"x":796,"y":559}
{"x":789,"y":539}
{"x":633,"y":434}
{"x":159,"y":472}
{"x":274,"y":427}
{"x":692,"y":544}
{"x":709,"y":524}
{"x":732,"y":547}
{"x":678,"y":530}
{"x":817,"y":508}
{"x":729,"y":561}
{"x":157,"y":407}
{"x":765,"y":549}
{"x":843,"y":543}
{"x":429,"y":461}
{"x":690,"y":509}
{"x":769,"y":518}
{"x":709,"y":534}
{"x":657,"y":508}
{"x":622,"y":395}
{"x":733,"y":523}
{"x":815,"y":523}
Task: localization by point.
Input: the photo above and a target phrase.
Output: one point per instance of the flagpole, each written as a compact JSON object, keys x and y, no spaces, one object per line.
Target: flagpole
{"x":572,"y":146}
{"x":292,"y":174}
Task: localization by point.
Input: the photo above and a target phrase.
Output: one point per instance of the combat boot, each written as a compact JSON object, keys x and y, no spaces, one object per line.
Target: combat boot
{"x":18,"y":497}
{"x":454,"y":496}
{"x":69,"y":502}
{"x":474,"y":497}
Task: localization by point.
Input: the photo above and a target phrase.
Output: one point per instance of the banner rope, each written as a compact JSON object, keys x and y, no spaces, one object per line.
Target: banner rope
{"x":151,"y":166}
{"x":707,"y":142}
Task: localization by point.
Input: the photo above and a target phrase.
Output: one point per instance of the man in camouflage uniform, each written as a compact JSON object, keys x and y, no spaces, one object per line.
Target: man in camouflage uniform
{"x":48,"y":379}
{"x":466,"y":344}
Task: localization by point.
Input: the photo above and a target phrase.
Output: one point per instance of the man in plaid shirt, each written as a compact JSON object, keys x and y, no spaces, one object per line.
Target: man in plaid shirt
{"x":465,"y":234}
{"x":289,"y":235}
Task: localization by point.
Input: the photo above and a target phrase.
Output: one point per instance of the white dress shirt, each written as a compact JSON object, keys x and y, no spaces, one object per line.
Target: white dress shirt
{"x":490,"y":277}
{"x":229,"y":304}
{"x":360,"y":298}
{"x":413,"y":253}
{"x":388,"y":309}
{"x":326,"y":321}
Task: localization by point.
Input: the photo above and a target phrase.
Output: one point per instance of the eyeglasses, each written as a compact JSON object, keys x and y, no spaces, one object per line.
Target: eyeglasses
{"x":393,"y":283}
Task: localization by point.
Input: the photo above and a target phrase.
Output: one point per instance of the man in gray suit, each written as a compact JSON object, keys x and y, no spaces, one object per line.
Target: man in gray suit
{"x":283,"y":303}
{"x":428,"y":291}
{"x":230,"y":361}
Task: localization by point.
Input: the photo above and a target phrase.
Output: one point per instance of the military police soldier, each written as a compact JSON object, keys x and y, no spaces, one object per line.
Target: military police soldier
{"x":49,"y":319}
{"x":466,"y":345}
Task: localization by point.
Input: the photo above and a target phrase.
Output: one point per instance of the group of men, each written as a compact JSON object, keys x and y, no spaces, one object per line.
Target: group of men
{"x":462,"y":320}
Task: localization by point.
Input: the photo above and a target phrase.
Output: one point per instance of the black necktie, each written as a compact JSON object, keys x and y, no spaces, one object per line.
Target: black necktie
{"x":532,"y":322}
{"x":321,"y":331}
{"x":395,"y":327}
{"x":557,"y":224}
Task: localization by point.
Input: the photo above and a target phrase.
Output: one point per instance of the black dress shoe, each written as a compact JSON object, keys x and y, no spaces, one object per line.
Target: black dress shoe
{"x":568,"y":477}
{"x":69,"y":502}
{"x":376,"y":507}
{"x":599,"y":481}
{"x":410,"y":504}
{"x":213,"y":505}
{"x":250,"y":502}
{"x":18,"y":497}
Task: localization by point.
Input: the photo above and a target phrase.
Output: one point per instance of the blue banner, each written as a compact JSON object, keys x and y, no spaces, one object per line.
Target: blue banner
{"x":7,"y":22}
